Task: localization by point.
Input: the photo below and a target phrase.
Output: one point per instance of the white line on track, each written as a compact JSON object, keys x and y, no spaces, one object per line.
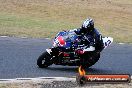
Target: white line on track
{"x":37,"y":79}
{"x":3,"y":36}
{"x":121,"y":43}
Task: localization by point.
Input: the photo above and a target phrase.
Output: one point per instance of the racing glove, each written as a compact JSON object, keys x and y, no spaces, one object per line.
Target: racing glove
{"x":79,"y":51}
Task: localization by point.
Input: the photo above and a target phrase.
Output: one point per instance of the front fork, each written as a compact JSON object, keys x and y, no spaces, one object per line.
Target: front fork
{"x":54,"y":53}
{"x":49,"y":51}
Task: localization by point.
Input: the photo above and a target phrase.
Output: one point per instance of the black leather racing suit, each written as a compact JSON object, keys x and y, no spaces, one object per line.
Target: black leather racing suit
{"x":92,"y":38}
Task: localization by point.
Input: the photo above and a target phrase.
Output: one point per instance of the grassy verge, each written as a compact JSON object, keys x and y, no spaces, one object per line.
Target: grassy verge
{"x":44,"y":18}
{"x":12,"y":25}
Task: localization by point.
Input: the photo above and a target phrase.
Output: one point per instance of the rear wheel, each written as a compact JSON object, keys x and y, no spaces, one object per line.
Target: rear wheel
{"x":91,"y":61}
{"x":44,"y":60}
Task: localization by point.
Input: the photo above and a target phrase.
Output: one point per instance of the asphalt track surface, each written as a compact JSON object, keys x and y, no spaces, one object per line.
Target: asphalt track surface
{"x":18,"y":58}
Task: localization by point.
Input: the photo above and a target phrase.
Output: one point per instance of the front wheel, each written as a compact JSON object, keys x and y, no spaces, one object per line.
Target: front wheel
{"x":44,"y":60}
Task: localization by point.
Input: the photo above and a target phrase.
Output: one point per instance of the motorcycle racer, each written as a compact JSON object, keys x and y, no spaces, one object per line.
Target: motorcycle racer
{"x":89,"y":36}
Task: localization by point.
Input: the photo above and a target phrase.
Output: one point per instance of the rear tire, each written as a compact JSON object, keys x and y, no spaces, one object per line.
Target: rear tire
{"x":44,"y":60}
{"x":91,"y":61}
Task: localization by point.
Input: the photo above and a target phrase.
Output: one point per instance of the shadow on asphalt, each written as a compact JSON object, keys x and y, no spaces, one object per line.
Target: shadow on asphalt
{"x":75,"y":70}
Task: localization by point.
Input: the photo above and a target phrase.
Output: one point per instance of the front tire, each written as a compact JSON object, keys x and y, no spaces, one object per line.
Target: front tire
{"x":44,"y":60}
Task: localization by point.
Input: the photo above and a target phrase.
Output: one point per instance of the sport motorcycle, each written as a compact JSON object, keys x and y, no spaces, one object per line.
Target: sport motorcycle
{"x":63,"y":52}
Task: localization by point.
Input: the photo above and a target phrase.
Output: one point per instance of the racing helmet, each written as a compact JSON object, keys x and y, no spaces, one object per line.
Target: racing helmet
{"x":88,"y":25}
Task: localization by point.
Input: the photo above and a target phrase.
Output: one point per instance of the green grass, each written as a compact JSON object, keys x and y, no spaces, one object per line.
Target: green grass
{"x":44,"y":18}
{"x":12,"y":25}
